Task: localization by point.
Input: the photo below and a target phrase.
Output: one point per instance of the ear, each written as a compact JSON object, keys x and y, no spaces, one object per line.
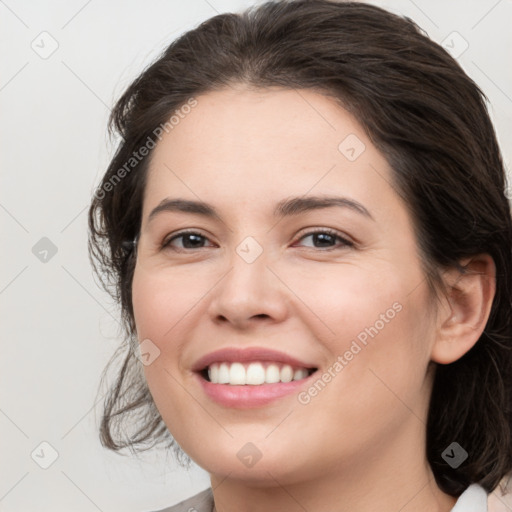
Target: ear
{"x":465,"y":308}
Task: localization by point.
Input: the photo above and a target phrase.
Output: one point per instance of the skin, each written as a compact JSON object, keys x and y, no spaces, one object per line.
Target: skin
{"x":359,"y":444}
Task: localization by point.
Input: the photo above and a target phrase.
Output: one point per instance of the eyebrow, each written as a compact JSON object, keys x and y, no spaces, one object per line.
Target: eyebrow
{"x":183,"y":205}
{"x":285,"y":208}
{"x":296,"y":205}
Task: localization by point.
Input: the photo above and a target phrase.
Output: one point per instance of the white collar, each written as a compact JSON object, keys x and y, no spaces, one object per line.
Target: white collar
{"x":473,"y":499}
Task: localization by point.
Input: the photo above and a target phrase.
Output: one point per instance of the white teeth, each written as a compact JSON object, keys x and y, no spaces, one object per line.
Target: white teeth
{"x":300,"y":374}
{"x":253,"y":374}
{"x":272,"y":374}
{"x":213,"y":373}
{"x":237,"y":374}
{"x":223,"y":374}
{"x":286,"y":373}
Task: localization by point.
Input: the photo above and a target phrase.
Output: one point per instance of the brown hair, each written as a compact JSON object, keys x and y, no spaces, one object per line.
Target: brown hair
{"x":423,"y":113}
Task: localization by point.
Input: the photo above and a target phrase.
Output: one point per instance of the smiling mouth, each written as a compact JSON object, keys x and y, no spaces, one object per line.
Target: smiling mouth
{"x":254,"y":373}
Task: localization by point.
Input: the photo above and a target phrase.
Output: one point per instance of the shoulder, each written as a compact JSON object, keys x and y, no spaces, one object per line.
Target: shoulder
{"x":202,"y":502}
{"x":476,"y":499}
{"x":473,"y":499}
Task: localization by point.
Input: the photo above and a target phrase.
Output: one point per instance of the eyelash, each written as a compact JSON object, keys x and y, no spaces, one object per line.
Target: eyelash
{"x":166,"y":244}
{"x":331,"y":232}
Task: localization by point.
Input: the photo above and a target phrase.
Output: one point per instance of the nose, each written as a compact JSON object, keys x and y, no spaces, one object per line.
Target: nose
{"x":249,"y":294}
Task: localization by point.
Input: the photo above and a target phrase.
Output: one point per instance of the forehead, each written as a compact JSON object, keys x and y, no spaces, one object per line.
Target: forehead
{"x":238,"y":145}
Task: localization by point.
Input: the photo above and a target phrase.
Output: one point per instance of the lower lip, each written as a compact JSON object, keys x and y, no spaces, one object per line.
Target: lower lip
{"x":245,"y":397}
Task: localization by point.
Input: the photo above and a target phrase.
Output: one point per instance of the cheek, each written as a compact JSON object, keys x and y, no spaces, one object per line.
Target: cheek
{"x":345,"y":300}
{"x":161,"y":301}
{"x":377,"y":322}
{"x":385,"y":357}
{"x":162,"y":305}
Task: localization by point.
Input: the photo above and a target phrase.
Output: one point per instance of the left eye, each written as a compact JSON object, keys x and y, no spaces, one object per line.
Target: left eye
{"x":325,"y":239}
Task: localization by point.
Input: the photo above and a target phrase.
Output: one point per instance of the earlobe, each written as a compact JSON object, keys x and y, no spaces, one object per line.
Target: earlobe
{"x":468,"y":301}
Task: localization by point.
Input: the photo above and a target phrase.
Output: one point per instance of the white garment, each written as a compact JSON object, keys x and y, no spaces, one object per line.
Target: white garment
{"x":473,"y":499}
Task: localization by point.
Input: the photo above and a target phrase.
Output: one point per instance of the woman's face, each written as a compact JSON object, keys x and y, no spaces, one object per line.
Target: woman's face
{"x":303,"y":258}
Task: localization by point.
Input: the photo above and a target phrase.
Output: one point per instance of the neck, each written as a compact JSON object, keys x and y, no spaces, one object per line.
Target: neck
{"x":333,"y":495}
{"x":388,"y":479}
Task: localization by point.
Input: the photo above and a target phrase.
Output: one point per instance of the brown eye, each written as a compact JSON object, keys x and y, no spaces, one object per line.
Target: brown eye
{"x":326,"y":239}
{"x":186,"y":240}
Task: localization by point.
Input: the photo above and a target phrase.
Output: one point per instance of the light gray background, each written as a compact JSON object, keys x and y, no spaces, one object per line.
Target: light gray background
{"x":58,"y":328}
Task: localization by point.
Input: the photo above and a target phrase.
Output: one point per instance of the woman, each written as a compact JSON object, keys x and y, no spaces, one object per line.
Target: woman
{"x":307,"y":229}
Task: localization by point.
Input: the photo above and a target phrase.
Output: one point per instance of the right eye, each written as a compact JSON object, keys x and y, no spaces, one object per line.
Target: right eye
{"x":185,"y":240}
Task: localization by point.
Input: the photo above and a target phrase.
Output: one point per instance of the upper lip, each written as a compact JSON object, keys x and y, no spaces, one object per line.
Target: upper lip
{"x":241,"y":355}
